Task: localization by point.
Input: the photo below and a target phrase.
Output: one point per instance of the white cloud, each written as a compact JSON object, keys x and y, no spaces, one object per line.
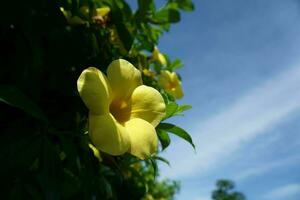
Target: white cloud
{"x":283,"y":192}
{"x":263,"y":168}
{"x":251,"y":115}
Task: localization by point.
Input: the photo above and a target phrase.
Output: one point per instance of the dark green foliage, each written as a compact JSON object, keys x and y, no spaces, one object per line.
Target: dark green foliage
{"x":43,"y":142}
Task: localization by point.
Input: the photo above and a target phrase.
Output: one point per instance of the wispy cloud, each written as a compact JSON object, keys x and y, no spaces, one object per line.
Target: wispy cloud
{"x":263,"y":168}
{"x":283,"y":192}
{"x":251,"y":115}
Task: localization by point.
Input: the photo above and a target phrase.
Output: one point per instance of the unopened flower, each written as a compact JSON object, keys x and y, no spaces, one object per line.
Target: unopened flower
{"x":103,"y":11}
{"x":170,"y":82}
{"x":148,"y":73}
{"x":158,"y":56}
{"x":123,"y":113}
{"x":72,"y":20}
{"x":101,"y":15}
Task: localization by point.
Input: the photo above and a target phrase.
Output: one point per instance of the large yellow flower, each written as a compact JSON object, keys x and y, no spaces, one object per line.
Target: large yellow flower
{"x":123,"y":112}
{"x":170,"y":82}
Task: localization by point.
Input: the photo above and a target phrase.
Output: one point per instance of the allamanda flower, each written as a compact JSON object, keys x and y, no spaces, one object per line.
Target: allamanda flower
{"x":123,"y":113}
{"x":170,"y":82}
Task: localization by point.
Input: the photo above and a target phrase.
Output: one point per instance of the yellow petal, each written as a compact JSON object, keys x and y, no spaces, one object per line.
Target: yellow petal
{"x":170,"y":82}
{"x":108,"y":135}
{"x":123,"y":78}
{"x":148,"y":104}
{"x":94,"y":90}
{"x":95,"y":152}
{"x":143,"y":138}
{"x":177,"y":92}
{"x":103,"y":11}
{"x":158,"y":56}
{"x":165,"y":79}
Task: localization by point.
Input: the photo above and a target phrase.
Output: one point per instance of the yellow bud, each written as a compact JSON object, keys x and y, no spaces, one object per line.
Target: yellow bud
{"x":103,"y":11}
{"x":159,"y":57}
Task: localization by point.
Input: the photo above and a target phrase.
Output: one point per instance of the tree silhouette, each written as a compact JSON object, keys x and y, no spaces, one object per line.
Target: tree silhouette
{"x":224,"y":191}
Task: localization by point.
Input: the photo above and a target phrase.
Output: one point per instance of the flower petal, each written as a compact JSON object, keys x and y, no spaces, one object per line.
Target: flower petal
{"x":123,"y":78}
{"x":177,"y":92}
{"x":108,"y":135}
{"x":148,"y":104}
{"x":165,"y":79}
{"x":143,"y":138}
{"x":94,"y":90}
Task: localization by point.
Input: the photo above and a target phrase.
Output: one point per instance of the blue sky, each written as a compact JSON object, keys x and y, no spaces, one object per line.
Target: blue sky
{"x":242,"y":76}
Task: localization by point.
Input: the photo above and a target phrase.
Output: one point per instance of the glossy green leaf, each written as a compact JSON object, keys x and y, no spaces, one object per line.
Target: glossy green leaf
{"x":163,"y":138}
{"x":162,"y":159}
{"x":186,"y":5}
{"x":167,"y":15}
{"x":171,"y":109}
{"x":171,"y":128}
{"x":182,"y":108}
{"x":145,"y":7}
{"x":176,"y":64}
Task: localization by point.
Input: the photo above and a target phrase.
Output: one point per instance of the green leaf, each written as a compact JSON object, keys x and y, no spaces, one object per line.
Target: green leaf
{"x":167,"y":15}
{"x":154,"y":166}
{"x":162,"y":159}
{"x":14,"y":97}
{"x":163,"y":138}
{"x":171,"y":109}
{"x":182,"y":108}
{"x":176,"y":64}
{"x":124,"y":35}
{"x":186,"y":5}
{"x":121,"y":11}
{"x":145,"y":7}
{"x":171,"y":128}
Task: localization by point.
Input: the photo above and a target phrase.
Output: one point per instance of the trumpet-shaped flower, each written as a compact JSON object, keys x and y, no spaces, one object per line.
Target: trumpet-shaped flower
{"x":170,"y":82}
{"x":158,"y":56}
{"x":123,"y":113}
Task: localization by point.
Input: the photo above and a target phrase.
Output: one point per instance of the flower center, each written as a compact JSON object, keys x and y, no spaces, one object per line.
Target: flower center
{"x":120,"y":109}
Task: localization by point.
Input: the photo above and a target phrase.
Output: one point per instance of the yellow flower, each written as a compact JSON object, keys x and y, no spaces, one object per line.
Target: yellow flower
{"x":159,"y":57}
{"x":123,"y":112}
{"x":170,"y":82}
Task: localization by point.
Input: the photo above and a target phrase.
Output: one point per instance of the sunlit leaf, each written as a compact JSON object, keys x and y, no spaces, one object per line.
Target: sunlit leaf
{"x":171,"y":128}
{"x":167,"y":15}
